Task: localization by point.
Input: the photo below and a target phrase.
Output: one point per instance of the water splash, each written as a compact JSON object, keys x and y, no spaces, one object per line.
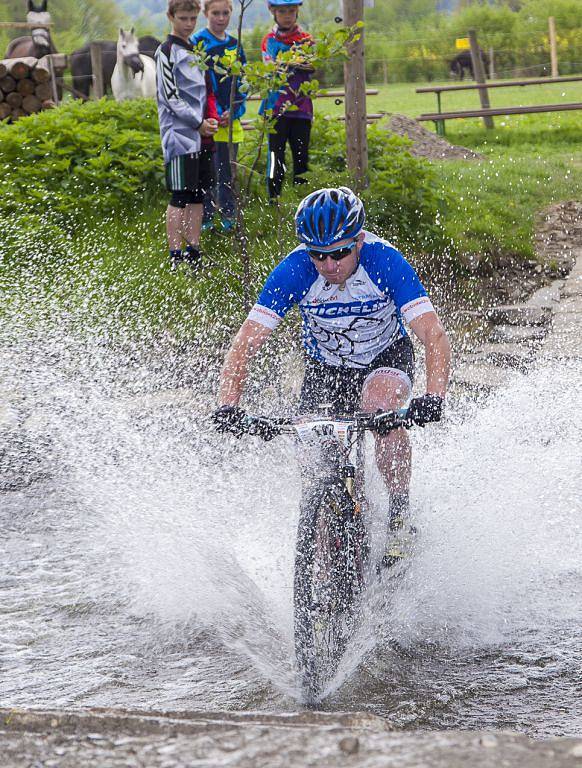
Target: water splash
{"x":181,"y":536}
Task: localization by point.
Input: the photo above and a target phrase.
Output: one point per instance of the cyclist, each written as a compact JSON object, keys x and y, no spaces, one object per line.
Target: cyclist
{"x":353,"y":290}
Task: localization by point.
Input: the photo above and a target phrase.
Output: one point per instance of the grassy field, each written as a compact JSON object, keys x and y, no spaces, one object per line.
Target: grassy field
{"x":402,"y":98}
{"x":544,"y":137}
{"x":531,"y":162}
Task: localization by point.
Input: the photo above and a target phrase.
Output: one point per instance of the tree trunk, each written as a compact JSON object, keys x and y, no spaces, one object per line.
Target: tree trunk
{"x":25,"y":87}
{"x":14,"y":99}
{"x":5,"y":110}
{"x":20,"y":68}
{"x":41,"y":73}
{"x":8,"y":84}
{"x":43,"y":91}
{"x":31,"y":104}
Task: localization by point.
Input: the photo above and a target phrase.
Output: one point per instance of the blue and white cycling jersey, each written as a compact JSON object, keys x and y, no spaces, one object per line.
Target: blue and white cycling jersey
{"x":348,"y":324}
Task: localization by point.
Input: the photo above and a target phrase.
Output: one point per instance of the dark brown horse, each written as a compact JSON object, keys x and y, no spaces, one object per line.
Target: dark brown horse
{"x":39,"y":42}
{"x":463,"y":64}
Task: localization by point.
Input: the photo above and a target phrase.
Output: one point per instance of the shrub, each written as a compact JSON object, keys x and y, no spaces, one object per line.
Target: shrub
{"x":97,"y":156}
{"x":104,"y":157}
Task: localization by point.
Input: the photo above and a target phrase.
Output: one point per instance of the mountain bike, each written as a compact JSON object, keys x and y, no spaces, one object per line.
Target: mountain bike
{"x":332,"y":548}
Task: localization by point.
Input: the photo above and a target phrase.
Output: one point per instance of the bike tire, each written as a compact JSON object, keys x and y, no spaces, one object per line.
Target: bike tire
{"x":330,"y":563}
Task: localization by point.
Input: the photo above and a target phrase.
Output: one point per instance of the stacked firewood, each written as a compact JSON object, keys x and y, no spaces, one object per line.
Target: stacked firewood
{"x":26,"y":87}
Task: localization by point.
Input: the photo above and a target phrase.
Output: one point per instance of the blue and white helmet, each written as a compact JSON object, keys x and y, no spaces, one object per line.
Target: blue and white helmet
{"x":284,"y":2}
{"x":328,"y":215}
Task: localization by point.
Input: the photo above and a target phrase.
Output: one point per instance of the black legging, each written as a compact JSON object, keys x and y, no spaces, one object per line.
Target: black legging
{"x":296,"y":131}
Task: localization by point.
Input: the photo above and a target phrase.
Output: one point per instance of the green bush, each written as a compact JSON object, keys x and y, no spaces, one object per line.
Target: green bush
{"x":105,"y":157}
{"x":98,"y":156}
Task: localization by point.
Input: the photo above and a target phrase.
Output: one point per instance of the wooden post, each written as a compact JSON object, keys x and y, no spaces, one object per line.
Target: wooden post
{"x":97,"y":69}
{"x":385,"y":71}
{"x":479,"y":72}
{"x":553,"y":46}
{"x":355,"y":102}
{"x":54,"y":89}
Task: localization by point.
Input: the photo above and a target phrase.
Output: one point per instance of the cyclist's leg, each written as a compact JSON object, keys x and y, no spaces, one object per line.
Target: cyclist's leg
{"x":387,"y":387}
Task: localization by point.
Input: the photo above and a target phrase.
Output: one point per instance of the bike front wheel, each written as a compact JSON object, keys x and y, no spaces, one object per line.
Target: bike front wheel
{"x":330,"y":563}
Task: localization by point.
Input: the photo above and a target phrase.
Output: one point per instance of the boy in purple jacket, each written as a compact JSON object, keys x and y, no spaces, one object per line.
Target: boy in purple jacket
{"x":292,"y":125}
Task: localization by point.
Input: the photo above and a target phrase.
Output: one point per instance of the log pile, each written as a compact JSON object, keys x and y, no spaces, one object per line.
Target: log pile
{"x":26,"y":87}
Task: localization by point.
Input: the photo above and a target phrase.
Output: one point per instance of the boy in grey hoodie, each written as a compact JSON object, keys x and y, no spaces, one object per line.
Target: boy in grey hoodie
{"x":181,"y":106}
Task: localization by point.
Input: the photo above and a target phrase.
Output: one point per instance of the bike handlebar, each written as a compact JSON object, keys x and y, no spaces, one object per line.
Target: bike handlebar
{"x":381,"y":422}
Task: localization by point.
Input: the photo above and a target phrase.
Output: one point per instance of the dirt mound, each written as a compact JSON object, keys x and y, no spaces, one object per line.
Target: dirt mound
{"x":428,"y":144}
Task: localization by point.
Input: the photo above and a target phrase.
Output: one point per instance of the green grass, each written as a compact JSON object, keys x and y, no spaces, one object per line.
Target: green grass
{"x":112,"y":277}
{"x":402,"y":98}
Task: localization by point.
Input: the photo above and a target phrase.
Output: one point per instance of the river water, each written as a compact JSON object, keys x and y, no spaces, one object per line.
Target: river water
{"x":147,"y":562}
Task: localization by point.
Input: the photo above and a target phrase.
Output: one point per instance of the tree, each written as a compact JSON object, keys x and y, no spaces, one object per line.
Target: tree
{"x":390,"y":14}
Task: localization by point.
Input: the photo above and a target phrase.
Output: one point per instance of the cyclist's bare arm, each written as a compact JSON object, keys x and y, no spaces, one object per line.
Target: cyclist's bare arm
{"x":245,"y":346}
{"x":430,"y":331}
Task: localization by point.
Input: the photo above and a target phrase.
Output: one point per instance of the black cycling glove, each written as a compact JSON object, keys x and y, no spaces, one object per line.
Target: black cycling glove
{"x":263,"y":428}
{"x":230,"y":418}
{"x":423,"y":410}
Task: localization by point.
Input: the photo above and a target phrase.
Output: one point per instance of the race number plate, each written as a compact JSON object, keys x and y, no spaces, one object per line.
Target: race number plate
{"x":315,"y":431}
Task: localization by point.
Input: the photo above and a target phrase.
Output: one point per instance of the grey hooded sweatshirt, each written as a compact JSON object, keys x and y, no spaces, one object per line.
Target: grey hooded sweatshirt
{"x":181,"y":98}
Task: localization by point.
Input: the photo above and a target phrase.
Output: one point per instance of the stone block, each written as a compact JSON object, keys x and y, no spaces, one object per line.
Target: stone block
{"x":549,"y":296}
{"x":519,"y":314}
{"x":514,"y":334}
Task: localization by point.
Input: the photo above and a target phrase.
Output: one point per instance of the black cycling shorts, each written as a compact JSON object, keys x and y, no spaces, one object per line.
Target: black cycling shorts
{"x":341,"y":387}
{"x":188,"y":177}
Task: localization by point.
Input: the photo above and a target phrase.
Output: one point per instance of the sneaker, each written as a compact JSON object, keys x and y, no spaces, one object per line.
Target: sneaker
{"x":192,"y":257}
{"x":228,"y":225}
{"x":400,"y":541}
{"x":207,"y":225}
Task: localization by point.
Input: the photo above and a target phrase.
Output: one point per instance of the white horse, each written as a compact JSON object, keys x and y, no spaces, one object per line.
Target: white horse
{"x":134,"y":76}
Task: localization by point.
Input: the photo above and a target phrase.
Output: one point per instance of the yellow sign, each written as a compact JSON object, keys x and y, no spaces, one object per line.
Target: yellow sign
{"x":462,"y":44}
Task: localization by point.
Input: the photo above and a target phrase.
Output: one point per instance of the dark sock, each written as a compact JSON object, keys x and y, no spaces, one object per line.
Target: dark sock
{"x":175,"y":254}
{"x":399,"y":505}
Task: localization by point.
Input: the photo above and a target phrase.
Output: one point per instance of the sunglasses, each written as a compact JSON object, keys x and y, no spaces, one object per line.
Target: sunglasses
{"x":337,"y":254}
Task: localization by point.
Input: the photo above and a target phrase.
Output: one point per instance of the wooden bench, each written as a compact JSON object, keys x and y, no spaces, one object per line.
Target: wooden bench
{"x":439,"y":117}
